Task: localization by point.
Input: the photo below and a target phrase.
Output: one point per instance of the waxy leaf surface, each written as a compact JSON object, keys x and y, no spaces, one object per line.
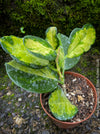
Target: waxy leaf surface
{"x":51,"y":37}
{"x":65,"y":63}
{"x":60,"y":106}
{"x":81,"y":40}
{"x":33,"y":80}
{"x":39,"y":47}
{"x":15,"y":47}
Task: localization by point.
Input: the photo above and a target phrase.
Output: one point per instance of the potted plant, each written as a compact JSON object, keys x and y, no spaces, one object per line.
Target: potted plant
{"x":40,"y":66}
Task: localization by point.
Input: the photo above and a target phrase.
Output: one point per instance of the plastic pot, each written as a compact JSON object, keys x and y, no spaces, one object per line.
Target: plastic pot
{"x":63,"y":124}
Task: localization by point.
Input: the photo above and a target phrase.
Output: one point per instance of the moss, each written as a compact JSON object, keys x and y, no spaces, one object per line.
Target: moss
{"x":84,"y":62}
{"x":95,"y":51}
{"x":8,"y":97}
{"x":78,"y":69}
{"x":92,"y":76}
{"x":3,"y":81}
{"x":12,"y":84}
{"x":9,"y":114}
{"x":65,"y":15}
{"x":2,"y":87}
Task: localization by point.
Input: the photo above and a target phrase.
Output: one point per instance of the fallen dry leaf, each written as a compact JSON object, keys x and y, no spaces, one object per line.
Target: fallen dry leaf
{"x":18,"y":120}
{"x":80,"y":98}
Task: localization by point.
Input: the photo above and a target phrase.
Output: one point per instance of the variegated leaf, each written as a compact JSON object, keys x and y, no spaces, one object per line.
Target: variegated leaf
{"x":81,"y":40}
{"x":33,"y":80}
{"x":65,"y":63}
{"x":39,"y":47}
{"x":60,"y":106}
{"x":51,"y":37}
{"x":15,"y":47}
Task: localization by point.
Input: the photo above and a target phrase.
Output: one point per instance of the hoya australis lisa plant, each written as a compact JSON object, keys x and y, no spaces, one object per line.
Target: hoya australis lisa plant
{"x":38,"y":64}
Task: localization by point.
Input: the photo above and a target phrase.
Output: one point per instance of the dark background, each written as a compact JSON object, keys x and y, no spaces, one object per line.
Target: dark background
{"x":37,"y":15}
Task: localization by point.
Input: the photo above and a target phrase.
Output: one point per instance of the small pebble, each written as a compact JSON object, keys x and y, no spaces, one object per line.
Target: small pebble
{"x":9,"y":93}
{"x":13,"y":114}
{"x":91,"y":103}
{"x":87,"y":104}
{"x":83,"y":95}
{"x":80,"y":98}
{"x":99,"y":128}
{"x":17,"y":104}
{"x":1,"y":124}
{"x":72,"y":94}
{"x":19,"y":99}
{"x":67,"y":95}
{"x":78,"y":120}
{"x":18,"y":120}
{"x":36,"y":106}
{"x":45,"y":132}
{"x":78,"y":92}
{"x":74,"y":80}
{"x":35,"y":124}
{"x":30,"y":95}
{"x":64,"y":85}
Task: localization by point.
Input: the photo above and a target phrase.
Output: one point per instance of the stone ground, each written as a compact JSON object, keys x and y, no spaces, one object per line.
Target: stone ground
{"x":21,"y":112}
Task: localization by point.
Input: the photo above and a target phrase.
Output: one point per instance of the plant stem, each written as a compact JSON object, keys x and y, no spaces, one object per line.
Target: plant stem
{"x":58,"y":68}
{"x":64,"y":88}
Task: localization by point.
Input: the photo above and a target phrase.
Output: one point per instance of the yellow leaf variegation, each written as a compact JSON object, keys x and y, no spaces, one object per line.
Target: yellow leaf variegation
{"x":38,"y":65}
{"x":51,"y":37}
{"x":34,"y":80}
{"x":15,"y":47}
{"x":81,"y":40}
{"x":39,"y":47}
{"x":44,"y":72}
{"x":60,"y":106}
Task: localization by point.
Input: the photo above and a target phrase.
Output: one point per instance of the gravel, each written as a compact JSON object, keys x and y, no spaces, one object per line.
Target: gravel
{"x":21,"y":113}
{"x":27,"y":116}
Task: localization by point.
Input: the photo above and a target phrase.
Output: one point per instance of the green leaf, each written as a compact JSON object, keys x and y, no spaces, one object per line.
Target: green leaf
{"x":65,"y":63}
{"x":81,"y":40}
{"x":15,"y":47}
{"x":60,"y":56}
{"x":51,"y":37}
{"x":39,"y":47}
{"x":22,"y":30}
{"x":59,"y":64}
{"x":60,"y":106}
{"x":33,"y":80}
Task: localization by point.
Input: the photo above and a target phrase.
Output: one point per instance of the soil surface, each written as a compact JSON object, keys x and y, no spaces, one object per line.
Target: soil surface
{"x":21,"y":112}
{"x":79,"y":93}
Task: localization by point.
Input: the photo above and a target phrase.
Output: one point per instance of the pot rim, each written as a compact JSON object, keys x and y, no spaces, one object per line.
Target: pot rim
{"x":95,"y":96}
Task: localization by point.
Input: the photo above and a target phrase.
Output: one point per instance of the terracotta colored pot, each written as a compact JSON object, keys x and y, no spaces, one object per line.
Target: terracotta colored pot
{"x":63,"y":124}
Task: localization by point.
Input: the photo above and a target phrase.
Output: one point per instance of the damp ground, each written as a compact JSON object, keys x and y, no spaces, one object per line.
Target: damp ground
{"x":21,"y":112}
